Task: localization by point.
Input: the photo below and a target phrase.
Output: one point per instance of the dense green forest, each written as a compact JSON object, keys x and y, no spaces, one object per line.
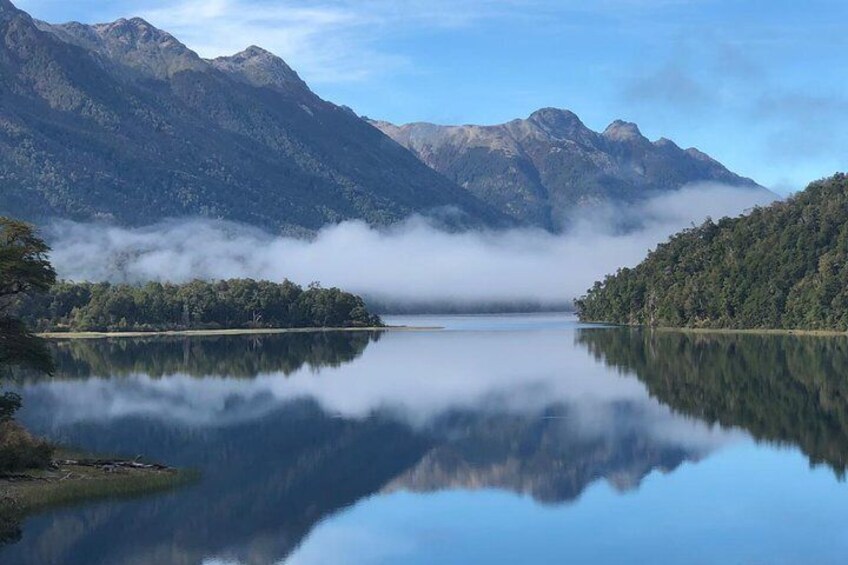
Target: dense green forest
{"x":236,"y":303}
{"x":783,"y":266}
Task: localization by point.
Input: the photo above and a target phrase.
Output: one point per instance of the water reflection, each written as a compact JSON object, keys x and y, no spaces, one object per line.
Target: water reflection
{"x":785,"y":389}
{"x":209,"y":356}
{"x":288,"y":430}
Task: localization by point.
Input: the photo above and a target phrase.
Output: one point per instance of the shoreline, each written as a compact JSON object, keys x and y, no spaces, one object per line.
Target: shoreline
{"x":229,"y":332}
{"x":745,"y":331}
{"x":812,"y":333}
{"x":76,"y":481}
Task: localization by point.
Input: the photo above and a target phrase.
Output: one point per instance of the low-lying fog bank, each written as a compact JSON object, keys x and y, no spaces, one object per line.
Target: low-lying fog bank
{"x":410,"y":267}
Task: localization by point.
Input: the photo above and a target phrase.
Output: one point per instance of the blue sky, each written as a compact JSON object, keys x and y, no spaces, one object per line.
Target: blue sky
{"x":760,"y":85}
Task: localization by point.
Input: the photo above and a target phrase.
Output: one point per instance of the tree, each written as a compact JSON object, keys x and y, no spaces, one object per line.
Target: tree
{"x":24,"y":267}
{"x":24,"y":270}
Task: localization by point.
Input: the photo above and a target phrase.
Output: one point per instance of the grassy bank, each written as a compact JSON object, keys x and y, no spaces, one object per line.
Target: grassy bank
{"x":73,"y":480}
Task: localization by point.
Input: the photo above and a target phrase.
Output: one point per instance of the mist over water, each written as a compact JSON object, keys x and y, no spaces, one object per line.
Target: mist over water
{"x":409,"y":263}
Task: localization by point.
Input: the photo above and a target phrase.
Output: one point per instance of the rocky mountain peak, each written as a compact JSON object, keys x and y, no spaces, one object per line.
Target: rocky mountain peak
{"x":137,"y":33}
{"x":255,"y":51}
{"x":538,"y":170}
{"x":259,"y":67}
{"x":133,"y":126}
{"x":559,"y":123}
{"x":700,"y":155}
{"x":620,"y":130}
{"x":8,"y":11}
{"x":132,"y":43}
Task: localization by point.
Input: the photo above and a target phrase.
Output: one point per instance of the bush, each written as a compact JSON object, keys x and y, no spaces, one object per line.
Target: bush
{"x":20,"y":451}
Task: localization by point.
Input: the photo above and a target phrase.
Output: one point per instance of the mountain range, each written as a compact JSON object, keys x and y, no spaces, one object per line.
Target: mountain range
{"x":121,"y":122}
{"x":540,"y":169}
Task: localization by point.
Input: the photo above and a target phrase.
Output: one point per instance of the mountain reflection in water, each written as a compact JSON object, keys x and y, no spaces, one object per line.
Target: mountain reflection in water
{"x":289,"y":429}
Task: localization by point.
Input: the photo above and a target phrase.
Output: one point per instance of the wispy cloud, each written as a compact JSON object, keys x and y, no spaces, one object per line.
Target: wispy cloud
{"x":333,"y":41}
{"x":328,"y":41}
{"x":426,"y":265}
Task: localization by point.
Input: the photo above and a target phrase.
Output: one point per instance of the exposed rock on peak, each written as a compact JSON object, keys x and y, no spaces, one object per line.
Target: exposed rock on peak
{"x":537,"y":170}
{"x":255,"y":51}
{"x":8,"y":12}
{"x":562,"y":124}
{"x":699,"y":155}
{"x":259,"y":67}
{"x":623,"y":131}
{"x":664,"y":142}
{"x":133,"y":43}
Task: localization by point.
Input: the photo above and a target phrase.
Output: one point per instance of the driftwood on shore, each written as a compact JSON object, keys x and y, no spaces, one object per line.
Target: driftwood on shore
{"x":108,"y":464}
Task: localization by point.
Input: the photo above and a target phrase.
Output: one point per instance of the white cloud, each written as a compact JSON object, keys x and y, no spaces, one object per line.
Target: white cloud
{"x":328,"y":41}
{"x":411,"y":262}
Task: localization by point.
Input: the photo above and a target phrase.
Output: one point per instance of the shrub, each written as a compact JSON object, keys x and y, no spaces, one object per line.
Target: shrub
{"x":20,"y":451}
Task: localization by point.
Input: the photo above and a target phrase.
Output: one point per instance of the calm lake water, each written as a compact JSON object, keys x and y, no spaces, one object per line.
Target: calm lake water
{"x":501,"y":439}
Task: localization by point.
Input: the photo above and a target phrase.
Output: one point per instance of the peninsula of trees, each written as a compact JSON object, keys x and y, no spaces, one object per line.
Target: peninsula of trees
{"x":783,"y":267}
{"x":236,"y":303}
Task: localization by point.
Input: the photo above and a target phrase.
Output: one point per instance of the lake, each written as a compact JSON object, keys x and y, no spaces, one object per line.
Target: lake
{"x":499,"y":439}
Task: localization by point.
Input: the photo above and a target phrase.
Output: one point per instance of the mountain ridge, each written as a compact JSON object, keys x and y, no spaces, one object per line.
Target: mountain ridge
{"x":539,"y":169}
{"x":122,"y":122}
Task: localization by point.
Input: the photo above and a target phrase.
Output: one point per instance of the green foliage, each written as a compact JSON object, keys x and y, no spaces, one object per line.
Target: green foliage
{"x":9,"y":404}
{"x":784,"y":266}
{"x":236,"y":303}
{"x":24,"y":270}
{"x":24,"y":267}
{"x":20,"y":451}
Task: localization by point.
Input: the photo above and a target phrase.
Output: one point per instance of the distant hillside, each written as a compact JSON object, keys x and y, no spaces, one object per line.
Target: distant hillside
{"x":784,"y":266}
{"x":122,"y":122}
{"x":537,"y":170}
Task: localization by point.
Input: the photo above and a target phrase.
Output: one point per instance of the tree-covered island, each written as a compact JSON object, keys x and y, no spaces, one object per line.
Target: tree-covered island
{"x":227,"y":304}
{"x":35,"y":474}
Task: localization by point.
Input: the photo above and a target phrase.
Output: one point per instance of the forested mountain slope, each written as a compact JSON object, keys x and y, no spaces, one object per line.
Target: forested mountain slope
{"x":784,"y":266}
{"x":122,"y":122}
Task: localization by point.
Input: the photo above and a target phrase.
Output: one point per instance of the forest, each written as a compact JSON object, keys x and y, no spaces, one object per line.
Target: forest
{"x":784,"y":266}
{"x":235,"y":303}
